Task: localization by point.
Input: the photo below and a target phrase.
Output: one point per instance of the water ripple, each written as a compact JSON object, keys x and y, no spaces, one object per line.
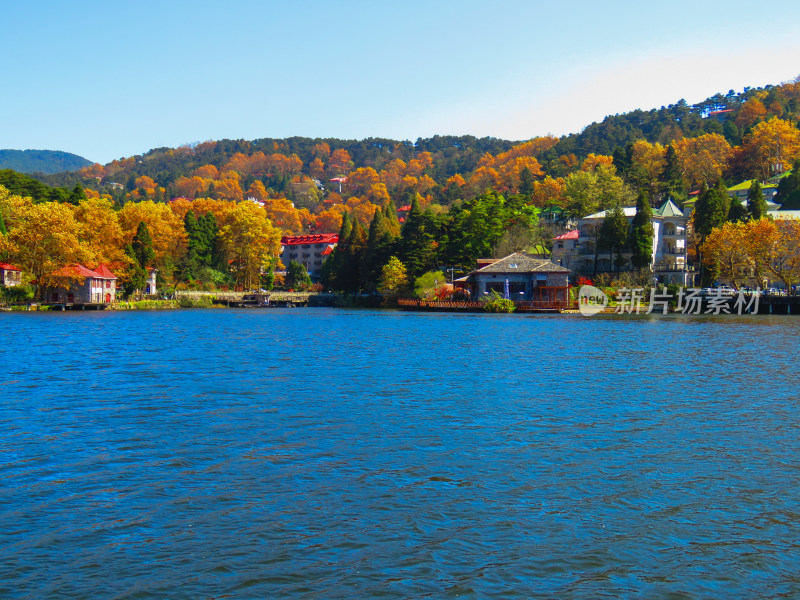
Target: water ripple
{"x":339,"y":454}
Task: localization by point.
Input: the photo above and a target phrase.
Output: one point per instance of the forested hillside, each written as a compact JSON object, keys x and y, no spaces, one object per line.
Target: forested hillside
{"x":440,"y":201}
{"x":41,"y":161}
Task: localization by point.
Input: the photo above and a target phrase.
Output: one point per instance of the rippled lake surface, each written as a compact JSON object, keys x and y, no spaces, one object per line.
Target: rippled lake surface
{"x":320,"y":453}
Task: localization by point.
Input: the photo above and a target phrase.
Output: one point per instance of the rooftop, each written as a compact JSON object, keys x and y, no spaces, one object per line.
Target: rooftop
{"x":78,"y":271}
{"x":318,"y":238}
{"x":520,"y":262}
{"x":745,"y":185}
{"x":104,"y":271}
{"x":793,"y":215}
{"x":570,"y":235}
{"x":668,"y":209}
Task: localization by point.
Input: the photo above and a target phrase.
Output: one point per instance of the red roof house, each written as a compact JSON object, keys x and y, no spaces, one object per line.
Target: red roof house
{"x":10,"y":275}
{"x":77,"y":284}
{"x":308,"y":250}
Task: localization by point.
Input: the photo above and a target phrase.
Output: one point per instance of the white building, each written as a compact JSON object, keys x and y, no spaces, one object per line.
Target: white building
{"x":578,"y":251}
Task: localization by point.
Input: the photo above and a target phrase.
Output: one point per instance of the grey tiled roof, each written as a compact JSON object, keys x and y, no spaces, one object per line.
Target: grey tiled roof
{"x":522,"y":263}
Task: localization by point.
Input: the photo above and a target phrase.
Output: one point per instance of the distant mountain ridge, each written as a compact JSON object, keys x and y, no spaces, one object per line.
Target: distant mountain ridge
{"x":41,"y":161}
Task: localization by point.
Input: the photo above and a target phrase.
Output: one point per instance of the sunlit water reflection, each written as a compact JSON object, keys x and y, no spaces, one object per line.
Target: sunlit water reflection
{"x":315,"y":453}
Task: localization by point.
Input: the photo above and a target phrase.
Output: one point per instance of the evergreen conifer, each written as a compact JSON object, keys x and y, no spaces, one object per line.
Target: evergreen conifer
{"x":756,"y":202}
{"x":641,"y":236}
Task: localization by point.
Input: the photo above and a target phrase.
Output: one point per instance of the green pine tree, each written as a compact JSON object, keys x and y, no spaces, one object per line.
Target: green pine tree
{"x":641,"y":235}
{"x":710,"y":211}
{"x":329,"y":274}
{"x":614,"y":234}
{"x":142,"y":246}
{"x":390,"y":217}
{"x":672,"y":179}
{"x":525,"y":182}
{"x":212,"y":255}
{"x":77,"y":195}
{"x":380,"y":243}
{"x":191,"y":262}
{"x":756,"y":202}
{"x":348,"y":278}
{"x":297,"y":277}
{"x":415,"y":246}
{"x":137,"y":276}
{"x":788,"y":195}
{"x":737,"y":213}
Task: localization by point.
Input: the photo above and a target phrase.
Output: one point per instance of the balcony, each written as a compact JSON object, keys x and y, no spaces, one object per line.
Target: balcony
{"x":667,"y":267}
{"x":673,"y":252}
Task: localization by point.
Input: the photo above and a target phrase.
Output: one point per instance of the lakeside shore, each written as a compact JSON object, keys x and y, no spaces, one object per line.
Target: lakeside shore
{"x":788,"y":305}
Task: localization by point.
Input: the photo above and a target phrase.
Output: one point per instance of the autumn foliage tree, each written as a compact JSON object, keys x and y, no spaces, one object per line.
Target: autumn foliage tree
{"x":770,"y":147}
{"x":165,"y":227}
{"x":703,"y":160}
{"x":724,"y":252}
{"x":764,"y":247}
{"x":250,"y":242}
{"x":44,"y":239}
{"x":101,"y":232}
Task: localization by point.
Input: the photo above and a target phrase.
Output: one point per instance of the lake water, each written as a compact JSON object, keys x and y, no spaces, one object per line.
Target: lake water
{"x":322,"y":453}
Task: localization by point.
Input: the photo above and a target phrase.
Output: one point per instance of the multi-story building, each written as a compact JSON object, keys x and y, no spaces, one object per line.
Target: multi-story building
{"x":308,"y":250}
{"x":577,"y":250}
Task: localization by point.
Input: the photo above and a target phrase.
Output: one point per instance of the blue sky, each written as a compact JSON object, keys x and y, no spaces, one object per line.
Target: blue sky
{"x":112,"y":79}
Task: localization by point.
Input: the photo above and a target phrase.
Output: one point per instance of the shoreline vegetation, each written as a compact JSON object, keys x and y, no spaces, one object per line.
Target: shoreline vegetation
{"x":221,"y":214}
{"x":493,"y":304}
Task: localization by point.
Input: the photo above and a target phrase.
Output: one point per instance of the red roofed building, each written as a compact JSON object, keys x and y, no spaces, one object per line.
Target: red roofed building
{"x":565,"y":248}
{"x":308,"y":250}
{"x":10,"y":275}
{"x":80,"y":285}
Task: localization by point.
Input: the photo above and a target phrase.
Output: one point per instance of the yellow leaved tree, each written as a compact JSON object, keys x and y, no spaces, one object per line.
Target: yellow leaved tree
{"x":165,"y":227}
{"x":724,"y":252}
{"x":250,"y":242}
{"x":703,"y":159}
{"x":44,"y":239}
{"x":101,"y":232}
{"x":771,"y":147}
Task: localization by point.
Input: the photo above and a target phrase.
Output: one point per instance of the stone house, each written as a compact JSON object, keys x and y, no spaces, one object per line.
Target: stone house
{"x":81,"y":285}
{"x":519,"y":277}
{"x":10,"y":275}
